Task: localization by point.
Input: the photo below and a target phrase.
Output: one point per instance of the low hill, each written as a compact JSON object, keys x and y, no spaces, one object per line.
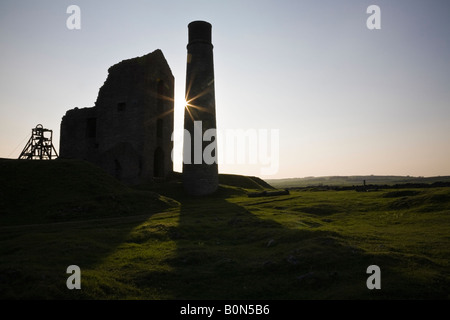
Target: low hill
{"x":354,"y":181}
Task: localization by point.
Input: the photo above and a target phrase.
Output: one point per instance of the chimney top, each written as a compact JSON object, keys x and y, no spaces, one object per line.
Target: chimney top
{"x":199,"y":31}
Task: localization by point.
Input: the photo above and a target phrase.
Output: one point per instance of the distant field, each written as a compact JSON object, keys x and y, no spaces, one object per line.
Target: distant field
{"x":153,"y":242}
{"x":354,"y":181}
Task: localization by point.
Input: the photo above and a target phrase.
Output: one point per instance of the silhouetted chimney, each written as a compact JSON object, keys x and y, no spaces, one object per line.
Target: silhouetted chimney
{"x":200,"y":173}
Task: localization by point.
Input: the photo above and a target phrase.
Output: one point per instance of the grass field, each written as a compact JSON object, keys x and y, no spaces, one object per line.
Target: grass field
{"x":153,"y":242}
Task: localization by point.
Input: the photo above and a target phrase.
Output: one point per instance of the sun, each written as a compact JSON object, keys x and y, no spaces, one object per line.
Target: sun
{"x":180,"y":104}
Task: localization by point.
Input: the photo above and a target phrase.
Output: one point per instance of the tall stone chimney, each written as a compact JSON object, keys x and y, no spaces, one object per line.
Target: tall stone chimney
{"x":200,"y":170}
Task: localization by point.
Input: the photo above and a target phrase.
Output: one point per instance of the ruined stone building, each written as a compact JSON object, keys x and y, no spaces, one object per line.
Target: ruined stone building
{"x":128,"y":131}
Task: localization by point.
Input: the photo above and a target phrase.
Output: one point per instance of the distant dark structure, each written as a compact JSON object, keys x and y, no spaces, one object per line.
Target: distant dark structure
{"x":199,"y":177}
{"x":40,"y":145}
{"x":128,"y":131}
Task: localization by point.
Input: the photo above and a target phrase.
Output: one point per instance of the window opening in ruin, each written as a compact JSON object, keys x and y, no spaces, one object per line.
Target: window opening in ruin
{"x":160,"y":96}
{"x":117,"y":169}
{"x":158,"y":163}
{"x":140,"y":166}
{"x":91,"y":127}
{"x":121,"y":106}
{"x":159,"y":128}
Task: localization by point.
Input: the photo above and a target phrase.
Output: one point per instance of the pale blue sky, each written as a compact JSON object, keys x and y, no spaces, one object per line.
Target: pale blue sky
{"x":346,"y":100}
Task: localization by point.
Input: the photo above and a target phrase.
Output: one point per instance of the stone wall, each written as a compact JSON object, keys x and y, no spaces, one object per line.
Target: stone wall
{"x":78,"y":134}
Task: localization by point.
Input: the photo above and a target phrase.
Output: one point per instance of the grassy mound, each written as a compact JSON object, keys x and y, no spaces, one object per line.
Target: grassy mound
{"x":246,"y":182}
{"x":61,"y":190}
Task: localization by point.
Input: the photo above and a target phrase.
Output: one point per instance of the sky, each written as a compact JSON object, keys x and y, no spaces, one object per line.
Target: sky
{"x":332,"y":96}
